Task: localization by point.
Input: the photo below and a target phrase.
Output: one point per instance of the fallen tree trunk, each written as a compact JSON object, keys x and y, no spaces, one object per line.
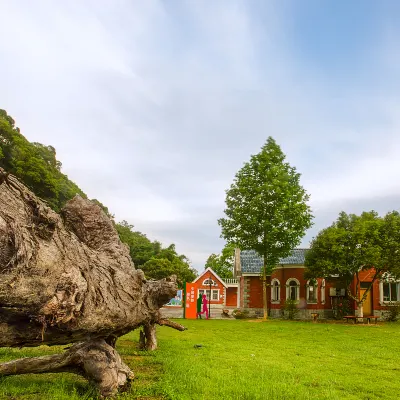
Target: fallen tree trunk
{"x":68,"y":278}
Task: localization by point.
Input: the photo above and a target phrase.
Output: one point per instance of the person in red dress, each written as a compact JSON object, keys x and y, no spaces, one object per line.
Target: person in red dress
{"x":205,"y":305}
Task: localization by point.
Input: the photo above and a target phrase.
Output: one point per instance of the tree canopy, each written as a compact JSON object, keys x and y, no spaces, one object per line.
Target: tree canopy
{"x":355,"y":243}
{"x":222,"y":263}
{"x":37,"y":167}
{"x":266,"y":208}
{"x":156,"y":262}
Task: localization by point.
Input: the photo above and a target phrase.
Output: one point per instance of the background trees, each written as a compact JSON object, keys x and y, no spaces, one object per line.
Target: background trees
{"x":353,"y":244}
{"x":36,"y":165}
{"x":222,"y":263}
{"x":266,"y":208}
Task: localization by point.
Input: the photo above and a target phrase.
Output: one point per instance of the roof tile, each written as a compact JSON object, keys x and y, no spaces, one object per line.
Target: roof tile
{"x":251,"y":262}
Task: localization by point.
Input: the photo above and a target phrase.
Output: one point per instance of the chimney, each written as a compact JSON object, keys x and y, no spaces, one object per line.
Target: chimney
{"x":237,"y":269}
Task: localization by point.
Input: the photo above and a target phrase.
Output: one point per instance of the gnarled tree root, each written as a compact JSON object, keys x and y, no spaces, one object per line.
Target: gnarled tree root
{"x":95,"y":360}
{"x":148,"y":337}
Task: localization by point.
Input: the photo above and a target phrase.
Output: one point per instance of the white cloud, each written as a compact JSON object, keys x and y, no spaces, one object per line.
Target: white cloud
{"x":153,"y":106}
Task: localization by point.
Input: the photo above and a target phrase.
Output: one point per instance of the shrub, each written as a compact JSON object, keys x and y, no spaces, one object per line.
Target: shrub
{"x":392,"y":311}
{"x":341,"y":307}
{"x":240,"y":314}
{"x":290,"y":309}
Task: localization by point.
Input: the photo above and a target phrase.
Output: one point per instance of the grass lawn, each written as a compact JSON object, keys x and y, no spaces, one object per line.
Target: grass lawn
{"x":241,"y":360}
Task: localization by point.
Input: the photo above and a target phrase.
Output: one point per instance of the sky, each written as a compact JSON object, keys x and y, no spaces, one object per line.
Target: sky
{"x":153,"y":106}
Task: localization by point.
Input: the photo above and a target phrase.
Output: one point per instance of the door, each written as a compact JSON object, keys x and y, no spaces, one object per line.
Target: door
{"x":367,"y":306}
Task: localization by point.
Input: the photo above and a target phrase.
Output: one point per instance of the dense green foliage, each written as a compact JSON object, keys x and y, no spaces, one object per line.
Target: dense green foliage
{"x":222,"y":263}
{"x":357,"y":243}
{"x":35,"y":165}
{"x":266,"y":207}
{"x":240,"y":359}
{"x":156,"y":262}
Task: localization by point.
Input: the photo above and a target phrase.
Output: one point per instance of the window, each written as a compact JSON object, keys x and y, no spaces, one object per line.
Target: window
{"x":292,"y":289}
{"x":208,"y":282}
{"x":214,"y":292}
{"x":390,"y":291}
{"x":275,"y":291}
{"x":312,"y":291}
{"x":323,"y":291}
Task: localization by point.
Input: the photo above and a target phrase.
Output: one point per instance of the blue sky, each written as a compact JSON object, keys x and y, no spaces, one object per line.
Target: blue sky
{"x":154,"y":105}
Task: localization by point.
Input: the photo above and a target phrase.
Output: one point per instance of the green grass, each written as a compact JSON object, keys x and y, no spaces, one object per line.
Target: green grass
{"x":241,"y":360}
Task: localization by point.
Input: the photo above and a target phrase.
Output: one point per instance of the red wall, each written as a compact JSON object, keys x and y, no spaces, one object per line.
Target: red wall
{"x":231,"y":297}
{"x":283,"y":274}
{"x":219,"y":286}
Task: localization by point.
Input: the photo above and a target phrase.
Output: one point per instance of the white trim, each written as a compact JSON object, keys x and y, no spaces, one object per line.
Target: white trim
{"x":323,"y":291}
{"x":211,"y":294}
{"x":288,"y":288}
{"x":386,"y":302}
{"x":315,"y":292}
{"x":278,"y":300}
{"x":215,"y":275}
{"x":214,"y":283}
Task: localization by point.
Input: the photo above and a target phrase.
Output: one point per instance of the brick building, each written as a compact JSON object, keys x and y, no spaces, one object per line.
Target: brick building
{"x":287,"y":282}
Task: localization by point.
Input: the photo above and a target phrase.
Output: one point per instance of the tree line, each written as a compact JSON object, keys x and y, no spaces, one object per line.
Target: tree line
{"x":36,"y":165}
{"x":267,"y":211}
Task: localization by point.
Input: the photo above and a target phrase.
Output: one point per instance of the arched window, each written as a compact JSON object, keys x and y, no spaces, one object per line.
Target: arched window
{"x":323,"y":291}
{"x":208,"y":282}
{"x":312,"y":291}
{"x":292,"y":289}
{"x":275,"y":291}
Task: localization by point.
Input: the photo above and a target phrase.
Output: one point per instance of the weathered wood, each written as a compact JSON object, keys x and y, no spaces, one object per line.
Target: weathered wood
{"x":95,"y":359}
{"x":68,"y":278}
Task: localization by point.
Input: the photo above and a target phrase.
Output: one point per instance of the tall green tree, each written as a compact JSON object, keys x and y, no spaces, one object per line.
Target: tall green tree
{"x":266,"y":209}
{"x":222,"y":263}
{"x":356,"y":243}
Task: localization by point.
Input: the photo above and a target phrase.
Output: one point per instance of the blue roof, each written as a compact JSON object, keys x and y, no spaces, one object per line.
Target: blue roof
{"x":251,"y":262}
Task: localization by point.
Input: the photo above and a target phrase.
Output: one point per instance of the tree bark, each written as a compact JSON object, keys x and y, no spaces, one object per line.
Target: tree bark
{"x":94,"y":359}
{"x":68,"y":278}
{"x":264,"y":279}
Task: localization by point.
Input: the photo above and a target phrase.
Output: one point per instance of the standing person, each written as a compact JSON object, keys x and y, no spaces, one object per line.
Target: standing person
{"x":199,"y":300}
{"x":205,"y":304}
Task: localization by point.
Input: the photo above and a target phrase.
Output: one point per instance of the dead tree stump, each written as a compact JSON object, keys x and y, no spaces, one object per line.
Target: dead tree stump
{"x":68,"y":279}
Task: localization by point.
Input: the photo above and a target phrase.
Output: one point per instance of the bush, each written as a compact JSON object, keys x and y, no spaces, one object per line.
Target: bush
{"x":341,"y":307}
{"x":392,"y":312}
{"x":240,"y":314}
{"x":290,"y":309}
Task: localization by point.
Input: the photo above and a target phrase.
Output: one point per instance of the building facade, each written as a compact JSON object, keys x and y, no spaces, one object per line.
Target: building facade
{"x":287,"y":281}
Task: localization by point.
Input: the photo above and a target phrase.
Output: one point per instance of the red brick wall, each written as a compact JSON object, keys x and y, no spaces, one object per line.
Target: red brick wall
{"x":283,"y":274}
{"x":256,"y":295}
{"x":219,"y":287}
{"x":231,"y":297}
{"x":367,"y":276}
{"x":254,"y":288}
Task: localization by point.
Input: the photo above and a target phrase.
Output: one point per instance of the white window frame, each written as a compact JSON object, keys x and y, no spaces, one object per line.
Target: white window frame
{"x":315,"y":301}
{"x":297,"y":288}
{"x":207,"y":293}
{"x":206,"y":283}
{"x":274,"y":287}
{"x":323,"y":291}
{"x":388,"y":281}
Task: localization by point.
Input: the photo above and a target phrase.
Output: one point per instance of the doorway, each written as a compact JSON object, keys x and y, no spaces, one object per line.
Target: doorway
{"x":367,"y":306}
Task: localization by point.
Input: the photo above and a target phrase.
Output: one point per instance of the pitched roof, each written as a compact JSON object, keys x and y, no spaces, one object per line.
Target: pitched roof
{"x":251,"y":262}
{"x":214,"y":273}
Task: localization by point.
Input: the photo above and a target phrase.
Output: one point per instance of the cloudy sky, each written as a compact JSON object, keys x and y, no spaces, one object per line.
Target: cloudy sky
{"x":154,"y":105}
